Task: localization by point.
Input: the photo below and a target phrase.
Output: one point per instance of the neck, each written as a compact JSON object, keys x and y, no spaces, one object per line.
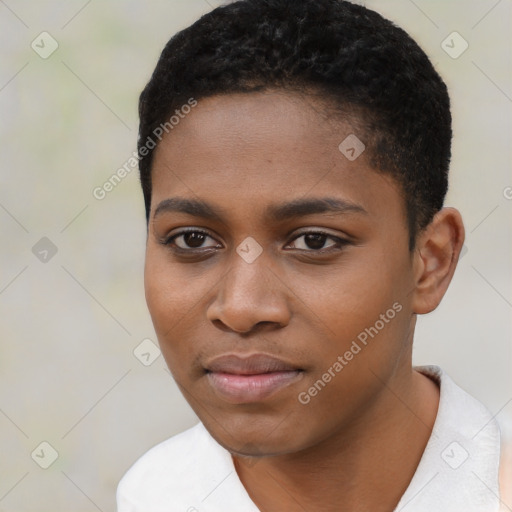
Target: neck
{"x":366,"y":465}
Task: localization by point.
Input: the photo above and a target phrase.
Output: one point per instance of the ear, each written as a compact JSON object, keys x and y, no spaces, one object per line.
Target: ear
{"x":435,"y":259}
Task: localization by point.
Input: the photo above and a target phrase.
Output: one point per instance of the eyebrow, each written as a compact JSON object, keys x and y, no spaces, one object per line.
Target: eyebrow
{"x":275,"y":212}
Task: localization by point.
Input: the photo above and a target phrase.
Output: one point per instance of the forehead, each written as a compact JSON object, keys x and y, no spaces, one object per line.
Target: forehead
{"x":243,"y":123}
{"x":261,"y":148}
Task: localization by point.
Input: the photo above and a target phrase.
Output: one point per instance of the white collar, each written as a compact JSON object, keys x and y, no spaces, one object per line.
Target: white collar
{"x":458,"y":471}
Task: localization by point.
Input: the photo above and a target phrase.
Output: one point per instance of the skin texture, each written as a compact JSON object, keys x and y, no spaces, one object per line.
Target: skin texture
{"x":359,"y":440}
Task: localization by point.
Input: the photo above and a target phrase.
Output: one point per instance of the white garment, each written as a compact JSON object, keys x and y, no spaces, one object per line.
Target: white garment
{"x":458,"y":471}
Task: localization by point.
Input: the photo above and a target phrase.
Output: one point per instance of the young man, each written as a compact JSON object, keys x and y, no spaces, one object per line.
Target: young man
{"x":294,"y":158}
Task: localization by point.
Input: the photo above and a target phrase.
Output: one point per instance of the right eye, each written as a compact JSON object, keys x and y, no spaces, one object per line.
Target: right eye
{"x":190,"y":239}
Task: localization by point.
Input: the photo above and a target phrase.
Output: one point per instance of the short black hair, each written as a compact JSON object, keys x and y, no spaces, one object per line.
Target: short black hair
{"x":356,"y":60}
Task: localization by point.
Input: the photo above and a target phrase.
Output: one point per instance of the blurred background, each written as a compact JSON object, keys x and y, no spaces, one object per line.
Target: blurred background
{"x":83,"y":389}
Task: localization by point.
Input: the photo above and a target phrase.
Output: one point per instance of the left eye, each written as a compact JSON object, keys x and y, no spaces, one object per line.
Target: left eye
{"x":316,"y":241}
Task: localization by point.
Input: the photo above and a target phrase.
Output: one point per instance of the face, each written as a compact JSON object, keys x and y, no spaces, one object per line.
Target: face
{"x":277,"y":274}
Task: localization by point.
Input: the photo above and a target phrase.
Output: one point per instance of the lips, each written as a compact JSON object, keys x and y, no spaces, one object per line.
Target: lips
{"x":246,"y":379}
{"x":248,"y":365}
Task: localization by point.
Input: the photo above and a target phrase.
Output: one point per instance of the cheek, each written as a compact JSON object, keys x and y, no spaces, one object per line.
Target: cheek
{"x":165,"y":297}
{"x":168,"y":292}
{"x":351,"y":368}
{"x":168,"y":314}
{"x":174,"y":302}
{"x":351,"y":297}
{"x":361,"y":315}
{"x":158,"y":293}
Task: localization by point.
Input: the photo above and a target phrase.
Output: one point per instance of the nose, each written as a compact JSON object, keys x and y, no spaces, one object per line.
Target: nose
{"x":251,"y":295}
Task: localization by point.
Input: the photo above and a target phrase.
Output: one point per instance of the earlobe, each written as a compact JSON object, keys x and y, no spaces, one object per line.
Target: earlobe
{"x":436,"y":257}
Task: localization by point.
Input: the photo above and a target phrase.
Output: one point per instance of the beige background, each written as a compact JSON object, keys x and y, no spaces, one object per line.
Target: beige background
{"x":69,"y":326}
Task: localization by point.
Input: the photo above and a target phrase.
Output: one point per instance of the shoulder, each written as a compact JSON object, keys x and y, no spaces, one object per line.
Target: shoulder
{"x":181,"y":447}
{"x":186,"y":473}
{"x":159,"y":476}
{"x":459,"y":412}
{"x":460,"y":464}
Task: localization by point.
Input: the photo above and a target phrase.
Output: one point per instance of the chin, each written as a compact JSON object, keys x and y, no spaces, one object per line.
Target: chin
{"x":256,"y":437}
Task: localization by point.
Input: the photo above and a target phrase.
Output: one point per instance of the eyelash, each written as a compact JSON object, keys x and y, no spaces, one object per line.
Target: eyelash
{"x":170,"y":241}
